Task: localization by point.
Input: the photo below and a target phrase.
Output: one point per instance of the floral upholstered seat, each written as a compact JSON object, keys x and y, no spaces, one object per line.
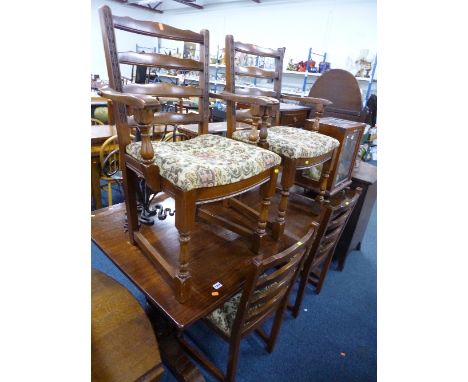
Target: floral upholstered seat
{"x":293,"y":142}
{"x":224,"y":316}
{"x":207,"y":161}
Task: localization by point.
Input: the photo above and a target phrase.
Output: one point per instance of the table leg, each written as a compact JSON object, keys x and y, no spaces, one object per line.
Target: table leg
{"x":95,"y":188}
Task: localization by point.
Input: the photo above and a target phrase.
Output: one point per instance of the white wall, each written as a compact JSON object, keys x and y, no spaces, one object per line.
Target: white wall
{"x":339,"y":27}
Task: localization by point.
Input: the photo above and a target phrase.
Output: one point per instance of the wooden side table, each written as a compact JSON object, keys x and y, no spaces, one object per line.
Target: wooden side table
{"x":293,"y":115}
{"x":364,"y":176}
{"x":123,"y":343}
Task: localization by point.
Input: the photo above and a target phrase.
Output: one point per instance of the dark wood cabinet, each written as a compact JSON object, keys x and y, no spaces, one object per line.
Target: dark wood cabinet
{"x":364,"y":176}
{"x":349,"y":134}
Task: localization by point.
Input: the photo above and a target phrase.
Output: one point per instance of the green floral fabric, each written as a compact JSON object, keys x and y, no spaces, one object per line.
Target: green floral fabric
{"x":314,"y":172}
{"x":207,"y":161}
{"x":293,"y":142}
{"x":224,"y":316}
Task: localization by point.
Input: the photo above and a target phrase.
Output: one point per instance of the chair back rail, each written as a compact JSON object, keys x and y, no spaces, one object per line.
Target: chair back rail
{"x":163,"y":89}
{"x":156,"y":29}
{"x":255,"y":92}
{"x":257,"y":50}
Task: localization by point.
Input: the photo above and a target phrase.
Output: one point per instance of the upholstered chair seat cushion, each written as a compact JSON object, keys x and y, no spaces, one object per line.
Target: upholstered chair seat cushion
{"x":207,"y":161}
{"x":294,"y":143}
{"x":224,"y":316}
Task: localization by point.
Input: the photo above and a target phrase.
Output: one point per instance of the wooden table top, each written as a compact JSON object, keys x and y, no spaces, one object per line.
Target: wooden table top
{"x":124,"y":345}
{"x":216,"y":255}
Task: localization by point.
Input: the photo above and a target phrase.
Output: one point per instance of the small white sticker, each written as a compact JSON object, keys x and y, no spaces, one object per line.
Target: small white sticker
{"x":217,"y":285}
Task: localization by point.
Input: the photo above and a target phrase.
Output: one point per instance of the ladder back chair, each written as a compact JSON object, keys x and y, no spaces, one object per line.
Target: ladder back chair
{"x":265,"y":294}
{"x":332,"y":219}
{"x":299,"y":149}
{"x":201,"y":170}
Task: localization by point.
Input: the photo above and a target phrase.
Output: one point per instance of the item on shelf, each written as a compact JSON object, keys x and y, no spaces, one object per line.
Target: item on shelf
{"x":291,"y":66}
{"x":364,"y":66}
{"x":301,"y":66}
{"x":96,"y":82}
{"x":372,"y":134}
{"x":324,"y":67}
{"x":311,"y":67}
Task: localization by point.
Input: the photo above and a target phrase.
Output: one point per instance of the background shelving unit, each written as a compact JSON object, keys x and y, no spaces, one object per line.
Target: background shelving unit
{"x":324,"y":55}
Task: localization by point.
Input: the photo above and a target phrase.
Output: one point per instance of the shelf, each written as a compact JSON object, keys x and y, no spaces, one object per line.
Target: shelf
{"x":217,"y":66}
{"x":366,"y":79}
{"x":301,"y":73}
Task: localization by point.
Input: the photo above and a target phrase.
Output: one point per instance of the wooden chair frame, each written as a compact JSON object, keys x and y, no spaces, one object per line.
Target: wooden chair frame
{"x":139,"y":100}
{"x":254,"y":309}
{"x":262,"y":121}
{"x":332,"y":220}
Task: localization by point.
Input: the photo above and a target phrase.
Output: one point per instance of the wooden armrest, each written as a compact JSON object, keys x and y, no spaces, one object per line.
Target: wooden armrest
{"x":138,"y":101}
{"x":255,"y":100}
{"x":308,"y":100}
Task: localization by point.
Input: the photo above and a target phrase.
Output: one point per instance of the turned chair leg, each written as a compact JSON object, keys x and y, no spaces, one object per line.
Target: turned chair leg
{"x":267,"y":190}
{"x":185,"y":211}
{"x":287,"y":181}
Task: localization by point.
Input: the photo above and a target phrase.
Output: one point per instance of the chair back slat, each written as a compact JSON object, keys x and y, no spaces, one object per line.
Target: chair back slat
{"x":330,"y":235}
{"x":156,"y":29}
{"x":255,"y":92}
{"x":257,"y":50}
{"x":339,"y":220}
{"x":159,"y":60}
{"x":276,"y":276}
{"x":253,"y":71}
{"x":167,"y":118}
{"x":264,"y":309}
{"x":162,"y":89}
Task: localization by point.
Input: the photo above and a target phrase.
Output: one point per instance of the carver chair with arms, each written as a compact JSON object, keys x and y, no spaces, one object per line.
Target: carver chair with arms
{"x":201,"y":170}
{"x":264,"y":295}
{"x":299,"y":149}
